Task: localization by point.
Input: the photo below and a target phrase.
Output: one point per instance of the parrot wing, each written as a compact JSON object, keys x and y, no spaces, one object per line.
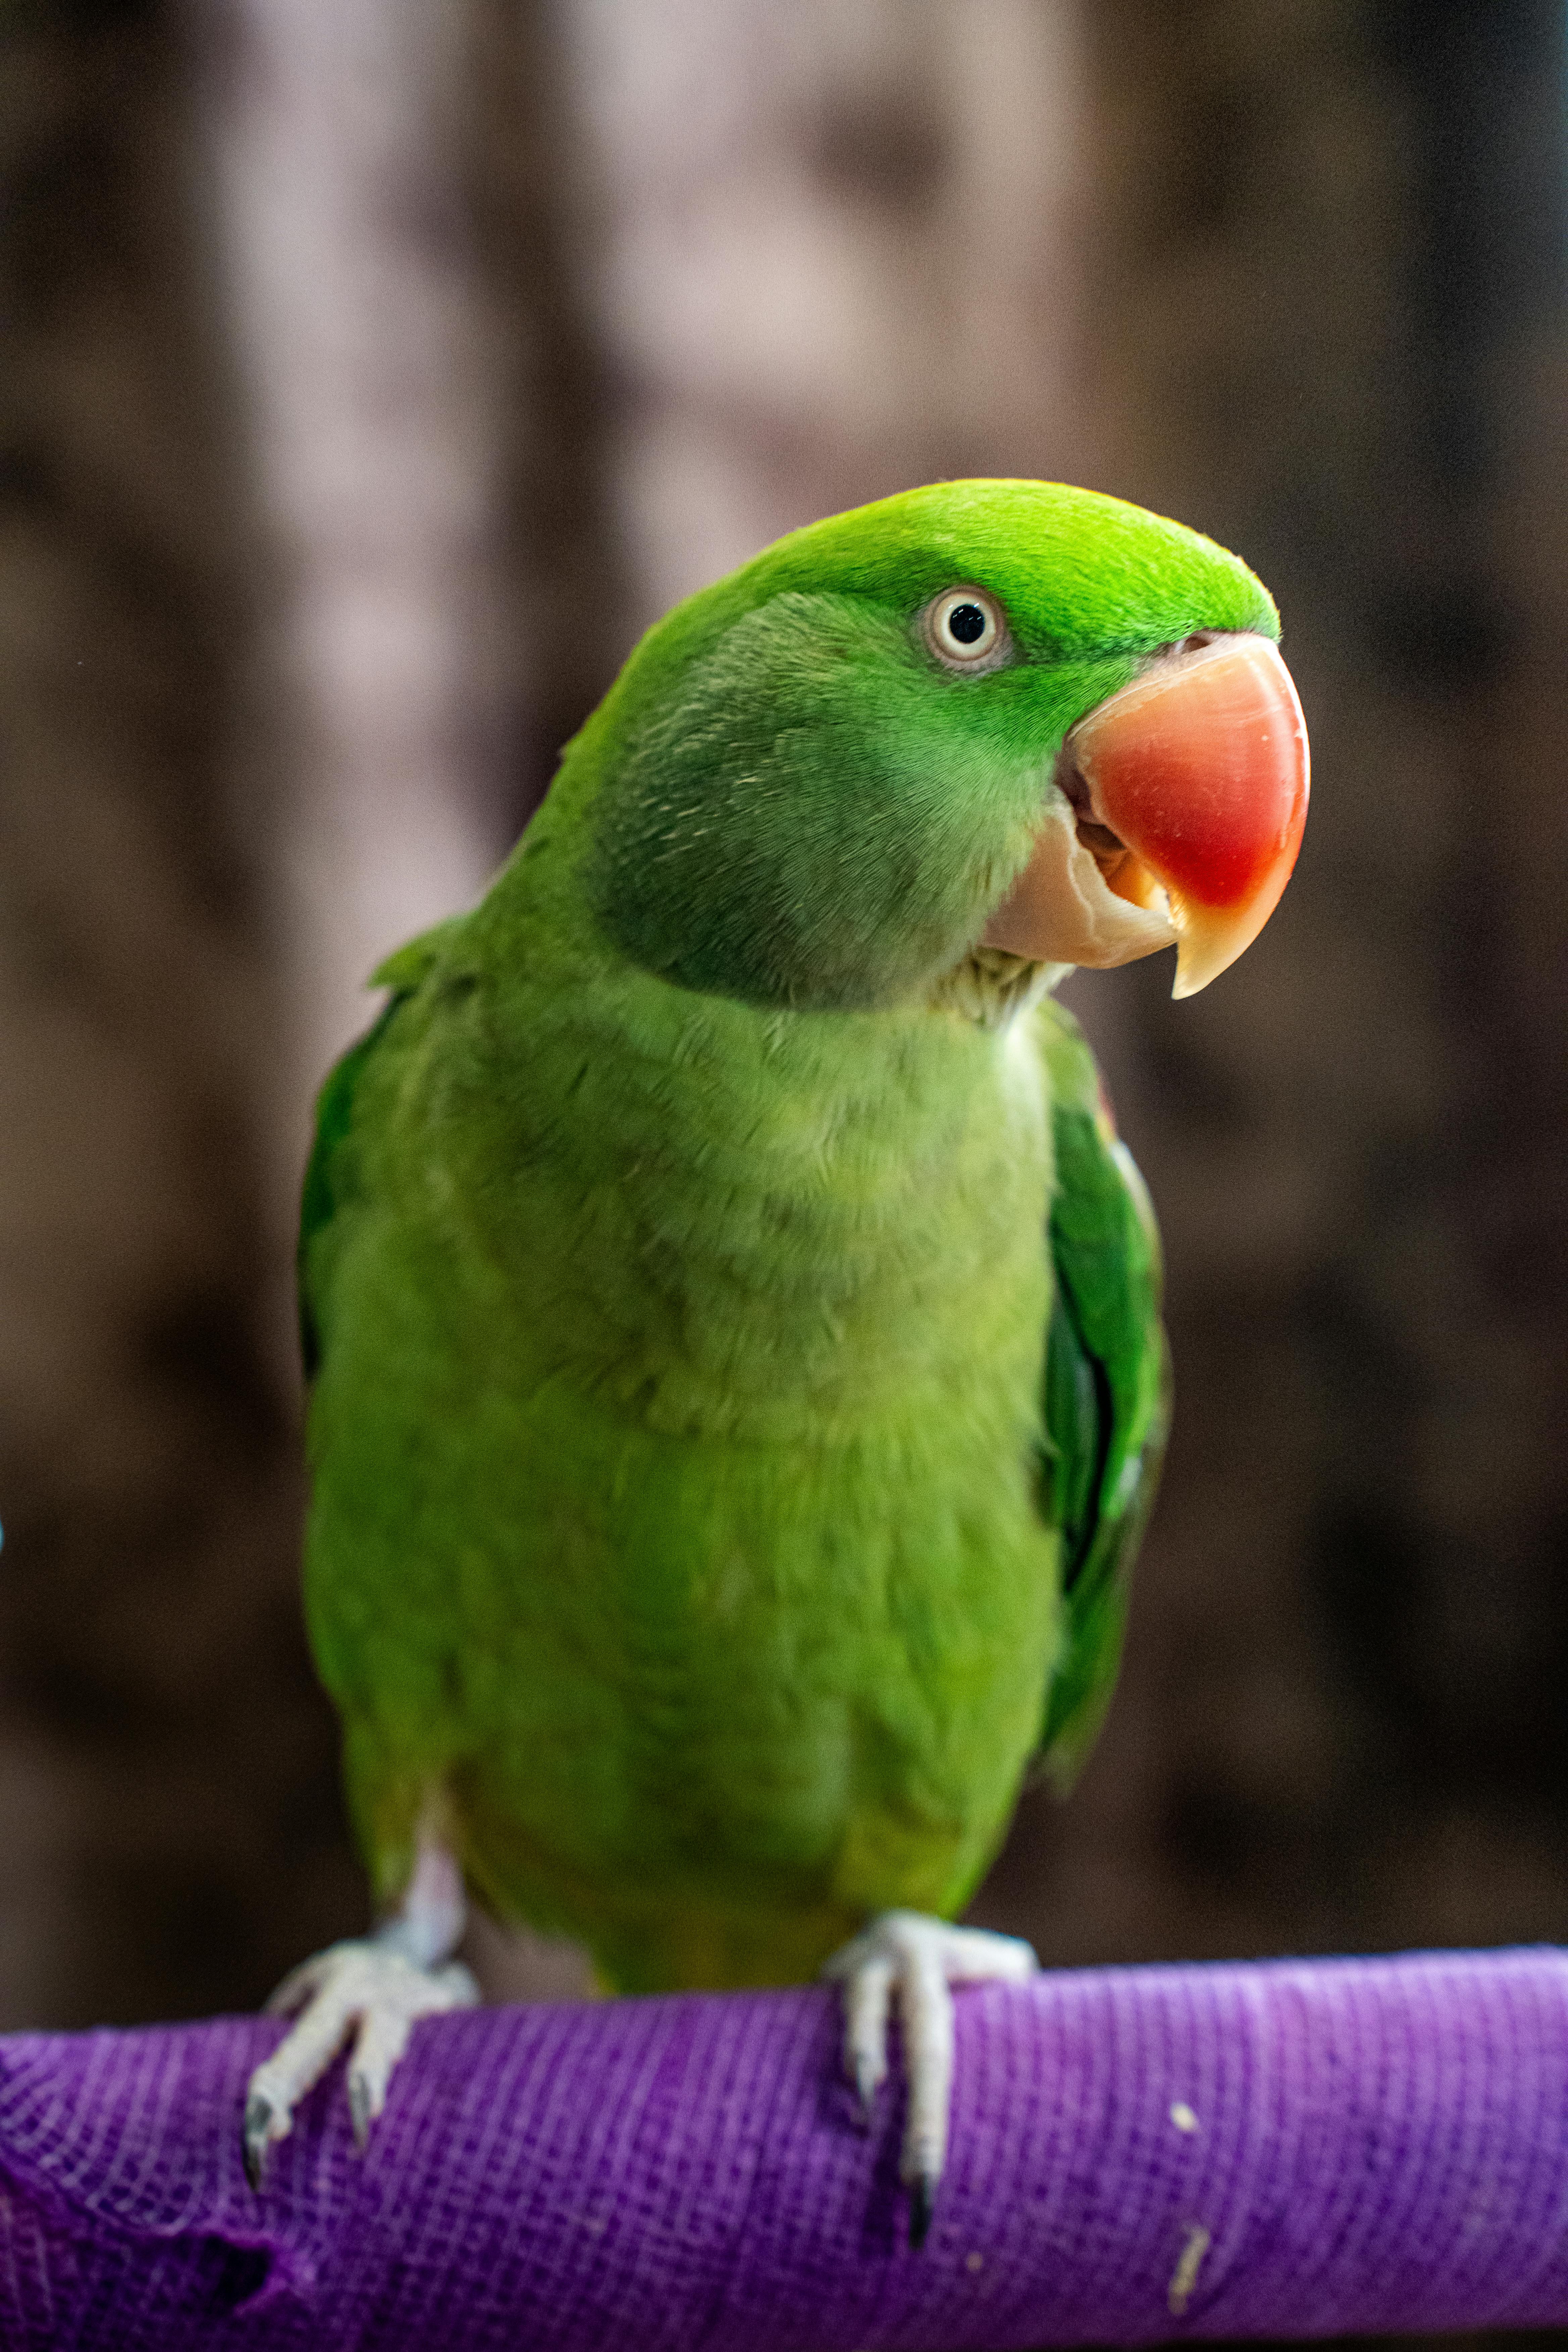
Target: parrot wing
{"x":329,"y":1178}
{"x":1107,"y":1390}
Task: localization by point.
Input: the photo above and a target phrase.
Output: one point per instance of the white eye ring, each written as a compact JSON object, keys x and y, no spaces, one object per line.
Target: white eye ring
{"x":966,"y":629}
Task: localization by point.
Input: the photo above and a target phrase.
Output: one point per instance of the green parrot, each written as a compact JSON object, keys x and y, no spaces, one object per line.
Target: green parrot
{"x":737,"y":1382}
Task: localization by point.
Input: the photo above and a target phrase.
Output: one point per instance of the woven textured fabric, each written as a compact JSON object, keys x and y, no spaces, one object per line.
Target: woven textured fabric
{"x":1285,"y":2150}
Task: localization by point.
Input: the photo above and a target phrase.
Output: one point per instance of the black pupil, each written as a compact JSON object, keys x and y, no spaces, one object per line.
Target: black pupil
{"x":967,"y":624}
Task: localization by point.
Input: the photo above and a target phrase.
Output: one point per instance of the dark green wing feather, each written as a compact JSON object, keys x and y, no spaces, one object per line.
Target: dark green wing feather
{"x":329,"y":1176}
{"x":1108,"y":1389}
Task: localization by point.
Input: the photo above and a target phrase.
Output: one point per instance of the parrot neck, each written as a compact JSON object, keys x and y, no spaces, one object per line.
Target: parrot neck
{"x":992,"y":987}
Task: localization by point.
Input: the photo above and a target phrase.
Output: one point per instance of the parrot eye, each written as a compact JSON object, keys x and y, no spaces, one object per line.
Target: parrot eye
{"x":965,"y":629}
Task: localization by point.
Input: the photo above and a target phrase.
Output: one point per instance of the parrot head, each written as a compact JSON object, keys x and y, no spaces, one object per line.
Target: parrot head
{"x":984,"y":715}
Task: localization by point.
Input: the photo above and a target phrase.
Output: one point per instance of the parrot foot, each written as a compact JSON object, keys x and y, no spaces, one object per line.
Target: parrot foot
{"x":917,"y":1957}
{"x":364,"y":1987}
{"x":375,"y":1988}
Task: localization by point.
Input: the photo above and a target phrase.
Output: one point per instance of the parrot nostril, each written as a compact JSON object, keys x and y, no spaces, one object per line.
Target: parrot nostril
{"x":1190,"y":645}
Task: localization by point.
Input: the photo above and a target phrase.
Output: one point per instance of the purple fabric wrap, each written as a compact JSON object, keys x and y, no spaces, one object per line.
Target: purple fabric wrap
{"x":1284,"y":2149}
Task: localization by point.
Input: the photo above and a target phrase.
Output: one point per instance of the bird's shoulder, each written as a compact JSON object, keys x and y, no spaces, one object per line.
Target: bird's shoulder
{"x":333,"y":1171}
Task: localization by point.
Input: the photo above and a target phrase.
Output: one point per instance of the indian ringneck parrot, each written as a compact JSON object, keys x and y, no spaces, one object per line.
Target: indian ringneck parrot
{"x":737,"y":1382}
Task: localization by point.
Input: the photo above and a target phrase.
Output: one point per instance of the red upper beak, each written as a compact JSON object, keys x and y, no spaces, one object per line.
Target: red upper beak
{"x":1201,"y":768}
{"x":1188,"y":789}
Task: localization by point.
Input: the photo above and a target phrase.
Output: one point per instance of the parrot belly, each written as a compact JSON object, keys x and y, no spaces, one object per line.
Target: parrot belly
{"x":697,"y":1594}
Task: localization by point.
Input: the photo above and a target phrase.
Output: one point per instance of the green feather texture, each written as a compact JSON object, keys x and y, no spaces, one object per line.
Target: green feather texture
{"x":737,"y":1377}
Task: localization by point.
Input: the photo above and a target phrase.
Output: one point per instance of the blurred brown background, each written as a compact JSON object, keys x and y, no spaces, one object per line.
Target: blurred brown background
{"x":372,"y":372}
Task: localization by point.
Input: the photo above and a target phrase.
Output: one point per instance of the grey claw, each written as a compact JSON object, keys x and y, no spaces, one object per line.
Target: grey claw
{"x":258,"y":2139}
{"x":865,"y":2092}
{"x":359,"y":2109}
{"x":922,"y":2207}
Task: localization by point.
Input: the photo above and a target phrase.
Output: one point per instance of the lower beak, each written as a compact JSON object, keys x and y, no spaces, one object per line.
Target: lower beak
{"x":1177,"y":816}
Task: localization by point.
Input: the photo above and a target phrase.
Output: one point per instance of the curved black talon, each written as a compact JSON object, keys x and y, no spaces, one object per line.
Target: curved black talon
{"x":923,"y":2208}
{"x":359,"y":2110}
{"x":258,"y":2138}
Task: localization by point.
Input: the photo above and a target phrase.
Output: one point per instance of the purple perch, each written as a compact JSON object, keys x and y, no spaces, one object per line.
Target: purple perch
{"x":1296,"y":2148}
